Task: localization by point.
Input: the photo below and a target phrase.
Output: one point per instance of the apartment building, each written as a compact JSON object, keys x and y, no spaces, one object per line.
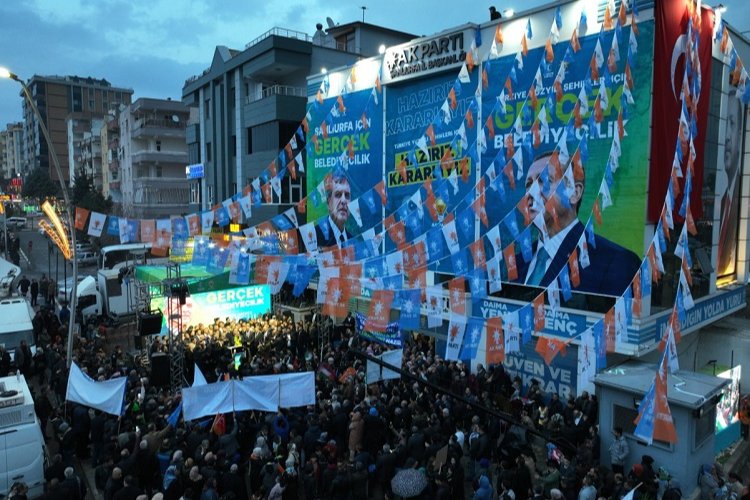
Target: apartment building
{"x":11,"y":142}
{"x":150,"y":160}
{"x":65,"y":103}
{"x":250,"y":102}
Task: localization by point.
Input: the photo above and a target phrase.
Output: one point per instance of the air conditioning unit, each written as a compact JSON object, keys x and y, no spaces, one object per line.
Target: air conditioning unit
{"x":16,"y":404}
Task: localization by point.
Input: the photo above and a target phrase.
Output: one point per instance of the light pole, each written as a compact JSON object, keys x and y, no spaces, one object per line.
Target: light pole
{"x":4,"y":73}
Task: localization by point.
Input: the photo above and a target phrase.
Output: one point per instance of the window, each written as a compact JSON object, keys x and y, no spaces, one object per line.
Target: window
{"x":92,"y":104}
{"x":207,"y":109}
{"x":233,"y":146}
{"x":195,"y":193}
{"x":208,"y":151}
{"x":76,"y":99}
{"x":249,"y":140}
{"x":158,"y":171}
{"x":625,"y":417}
{"x":704,"y":427}
{"x":158,"y":145}
{"x":210,"y":194}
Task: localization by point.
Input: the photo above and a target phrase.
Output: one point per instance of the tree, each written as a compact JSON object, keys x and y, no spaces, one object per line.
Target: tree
{"x":85,"y":194}
{"x":39,"y":185}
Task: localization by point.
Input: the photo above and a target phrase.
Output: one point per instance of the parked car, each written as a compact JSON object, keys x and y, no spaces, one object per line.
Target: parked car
{"x":16,"y":223}
{"x":64,"y":288}
{"x":87,"y":258}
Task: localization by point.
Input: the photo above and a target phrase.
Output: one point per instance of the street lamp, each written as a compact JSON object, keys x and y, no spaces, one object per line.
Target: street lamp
{"x":5,"y":73}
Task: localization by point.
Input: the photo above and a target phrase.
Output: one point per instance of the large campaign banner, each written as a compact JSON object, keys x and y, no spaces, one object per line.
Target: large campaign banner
{"x":234,"y":303}
{"x":345,"y":138}
{"x":624,"y":219}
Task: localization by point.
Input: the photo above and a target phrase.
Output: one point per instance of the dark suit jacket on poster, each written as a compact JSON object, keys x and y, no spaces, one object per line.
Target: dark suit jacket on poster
{"x":610,"y":271}
{"x":330,"y":241}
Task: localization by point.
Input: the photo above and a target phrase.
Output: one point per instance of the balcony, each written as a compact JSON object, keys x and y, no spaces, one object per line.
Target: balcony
{"x":282,"y":32}
{"x":158,"y":127}
{"x":161,"y":191}
{"x":279,"y":102}
{"x":160,"y":157}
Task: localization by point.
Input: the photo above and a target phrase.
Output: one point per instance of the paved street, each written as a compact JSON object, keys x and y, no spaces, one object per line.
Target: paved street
{"x":45,"y":258}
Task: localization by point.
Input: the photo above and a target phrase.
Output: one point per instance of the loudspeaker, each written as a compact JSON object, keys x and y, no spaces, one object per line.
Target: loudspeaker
{"x":159,"y":370}
{"x":150,"y":323}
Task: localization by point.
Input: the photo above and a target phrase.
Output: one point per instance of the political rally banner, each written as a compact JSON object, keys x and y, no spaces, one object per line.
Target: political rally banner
{"x":391,"y":337}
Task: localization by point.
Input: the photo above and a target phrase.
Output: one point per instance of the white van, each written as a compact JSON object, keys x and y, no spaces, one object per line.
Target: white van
{"x":16,"y":223}
{"x":15,"y":324}
{"x":22,"y":450}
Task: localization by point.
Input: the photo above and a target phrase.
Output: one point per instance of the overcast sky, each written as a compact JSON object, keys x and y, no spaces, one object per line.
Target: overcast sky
{"x":152,"y":46}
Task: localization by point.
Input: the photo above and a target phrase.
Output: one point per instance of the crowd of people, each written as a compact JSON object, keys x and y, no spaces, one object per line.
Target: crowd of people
{"x":433,"y":433}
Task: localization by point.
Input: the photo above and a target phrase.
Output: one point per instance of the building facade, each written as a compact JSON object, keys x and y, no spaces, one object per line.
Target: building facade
{"x":249,"y":104}
{"x":11,"y":142}
{"x":60,"y":98}
{"x":151,"y":158}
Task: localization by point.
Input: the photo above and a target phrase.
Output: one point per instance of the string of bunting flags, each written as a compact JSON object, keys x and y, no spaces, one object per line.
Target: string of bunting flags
{"x":446,"y":240}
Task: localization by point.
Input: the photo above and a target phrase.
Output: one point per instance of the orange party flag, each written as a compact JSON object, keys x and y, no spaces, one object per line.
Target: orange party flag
{"x":495,"y":347}
{"x":509,"y":255}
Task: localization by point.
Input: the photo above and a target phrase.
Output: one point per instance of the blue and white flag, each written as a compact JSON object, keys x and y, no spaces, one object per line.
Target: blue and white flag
{"x":106,"y":396}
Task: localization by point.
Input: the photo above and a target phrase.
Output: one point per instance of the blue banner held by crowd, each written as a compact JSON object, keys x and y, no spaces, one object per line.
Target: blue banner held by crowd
{"x":391,"y":336}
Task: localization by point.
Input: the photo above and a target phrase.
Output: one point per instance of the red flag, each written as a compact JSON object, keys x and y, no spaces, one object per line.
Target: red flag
{"x":288,"y":150}
{"x":536,"y":133}
{"x":401,"y":167}
{"x":380,"y":188}
{"x":452,"y":98}
{"x":324,"y":128}
{"x":415,"y":256}
{"x":575,"y":272}
{"x":305,"y":125}
{"x":608,"y":22}
{"x":380,"y":311}
{"x":597,"y":212}
{"x":469,"y":117}
{"x":480,"y":209}
{"x":82,"y":215}
{"x":549,"y":347}
{"x":594,"y":68}
{"x":509,"y":254}
{"x":490,"y":124}
{"x":578,"y":119}
{"x":446,"y":161}
{"x":653,"y":263}
{"x":539,"y":315}
{"x":524,"y":46}
{"x":485,"y":79}
{"x":575,"y":45}
{"x":664,"y":429}
{"x":302,"y":205}
{"x":532,"y":96}
{"x":292,"y":168}
{"x":337,"y":299}
{"x":430,"y":132}
{"x":292,"y":241}
{"x":510,"y":147}
{"x":620,"y":125}
{"x":266,"y":189}
{"x":598,"y":112}
{"x":365,"y":124}
{"x":498,"y":34}
{"x":397,"y":233}
{"x":609,"y":329}
{"x":623,"y":15}
{"x":219,"y":427}
{"x":611,"y":61}
{"x":549,"y":53}
{"x":350,"y":148}
{"x":469,"y":61}
{"x":377,"y":85}
{"x":509,"y":86}
{"x":477,"y":253}
{"x":351,"y":274}
{"x":463,"y":166}
{"x":340,"y":102}
{"x":457,"y":299}
{"x":509,"y":174}
{"x":418,"y":279}
{"x":431,"y":203}
{"x":495,"y":346}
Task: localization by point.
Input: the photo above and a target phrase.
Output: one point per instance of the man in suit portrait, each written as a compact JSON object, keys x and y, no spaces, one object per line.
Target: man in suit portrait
{"x":727,"y":186}
{"x":331,"y":231}
{"x":611,"y":267}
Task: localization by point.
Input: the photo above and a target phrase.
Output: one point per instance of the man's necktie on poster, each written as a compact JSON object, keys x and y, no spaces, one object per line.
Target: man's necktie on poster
{"x":539,"y":268}
{"x":341,"y":239}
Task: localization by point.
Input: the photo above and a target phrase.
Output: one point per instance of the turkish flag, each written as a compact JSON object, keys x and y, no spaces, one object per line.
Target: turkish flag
{"x":669,"y":67}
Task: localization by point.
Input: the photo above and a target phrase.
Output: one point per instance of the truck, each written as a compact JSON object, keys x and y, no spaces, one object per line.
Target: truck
{"x":22,"y":450}
{"x":111,"y":293}
{"x":15,"y":324}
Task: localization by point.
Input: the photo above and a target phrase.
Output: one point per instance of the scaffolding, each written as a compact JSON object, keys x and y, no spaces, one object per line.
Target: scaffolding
{"x":174,"y":289}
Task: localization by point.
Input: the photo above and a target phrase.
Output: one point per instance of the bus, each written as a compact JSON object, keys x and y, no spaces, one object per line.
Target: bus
{"x":112,"y":255}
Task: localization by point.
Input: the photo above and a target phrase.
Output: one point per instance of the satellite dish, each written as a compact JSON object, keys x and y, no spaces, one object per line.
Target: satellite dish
{"x":175,"y":118}
{"x":330,"y":22}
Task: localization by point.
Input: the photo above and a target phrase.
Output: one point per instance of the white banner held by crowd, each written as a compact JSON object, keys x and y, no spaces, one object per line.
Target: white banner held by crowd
{"x":106,"y":396}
